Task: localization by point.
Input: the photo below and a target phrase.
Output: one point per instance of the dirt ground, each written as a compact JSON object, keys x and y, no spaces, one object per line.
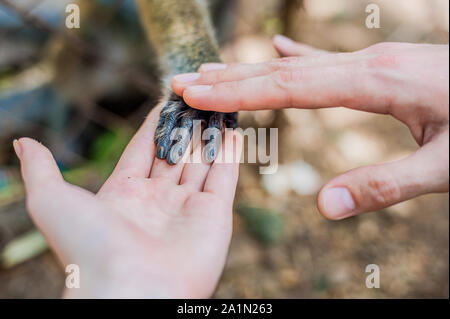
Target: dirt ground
{"x":309,"y":257}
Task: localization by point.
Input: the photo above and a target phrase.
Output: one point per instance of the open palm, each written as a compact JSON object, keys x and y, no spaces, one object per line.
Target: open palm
{"x":153,"y":230}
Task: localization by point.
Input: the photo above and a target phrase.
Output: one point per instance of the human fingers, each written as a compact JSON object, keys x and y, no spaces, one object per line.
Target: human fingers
{"x":137,"y":159}
{"x":195,"y":172}
{"x":214,"y":73}
{"x":162,"y":169}
{"x":349,"y":85}
{"x":223,"y":175}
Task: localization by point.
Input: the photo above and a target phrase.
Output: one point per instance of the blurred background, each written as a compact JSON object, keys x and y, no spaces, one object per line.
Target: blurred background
{"x":84,"y":93}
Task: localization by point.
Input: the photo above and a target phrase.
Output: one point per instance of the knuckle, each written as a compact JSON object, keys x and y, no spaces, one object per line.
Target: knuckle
{"x":284,"y":78}
{"x":211,"y":76}
{"x":215,"y":76}
{"x":281,"y":64}
{"x":383,"y":190}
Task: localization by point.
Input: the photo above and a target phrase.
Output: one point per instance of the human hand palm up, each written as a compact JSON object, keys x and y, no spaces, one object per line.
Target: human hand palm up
{"x":163,"y":236}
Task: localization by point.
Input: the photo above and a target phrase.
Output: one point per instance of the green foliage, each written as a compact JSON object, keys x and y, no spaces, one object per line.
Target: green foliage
{"x":273,"y":26}
{"x":81,"y":175}
{"x":7,"y":76}
{"x":321,"y":283}
{"x":107,"y":149}
{"x":22,"y":248}
{"x":264,"y":225}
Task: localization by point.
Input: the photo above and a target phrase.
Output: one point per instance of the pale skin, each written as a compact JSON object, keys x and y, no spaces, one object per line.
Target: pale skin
{"x":407,"y":81}
{"x":152,"y":231}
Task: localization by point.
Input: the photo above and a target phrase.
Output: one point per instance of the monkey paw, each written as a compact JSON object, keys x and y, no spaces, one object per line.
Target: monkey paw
{"x":175,"y":127}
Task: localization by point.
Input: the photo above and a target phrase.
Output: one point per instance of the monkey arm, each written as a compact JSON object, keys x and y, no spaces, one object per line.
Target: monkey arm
{"x":181,"y":31}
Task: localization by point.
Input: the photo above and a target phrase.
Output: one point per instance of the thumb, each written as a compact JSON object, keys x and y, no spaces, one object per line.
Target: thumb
{"x":287,"y":47}
{"x":39,"y":169}
{"x":62,"y":212}
{"x":376,"y":187}
{"x":44,"y":187}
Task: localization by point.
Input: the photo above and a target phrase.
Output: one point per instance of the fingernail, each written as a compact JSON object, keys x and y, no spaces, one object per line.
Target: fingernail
{"x":17,"y":148}
{"x":282,"y":40}
{"x":199,"y":88}
{"x":213,"y":67}
{"x":187,"y":77}
{"x":338,"y":203}
{"x":161,"y":152}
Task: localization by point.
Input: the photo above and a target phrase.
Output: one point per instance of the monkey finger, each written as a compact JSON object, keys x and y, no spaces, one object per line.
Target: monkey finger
{"x":213,"y":135}
{"x":183,"y":138}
